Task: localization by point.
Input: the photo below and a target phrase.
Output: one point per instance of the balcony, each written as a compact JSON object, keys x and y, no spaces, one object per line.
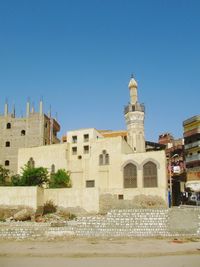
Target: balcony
{"x":132,"y":108}
{"x":194,"y":144}
{"x":194,"y":157}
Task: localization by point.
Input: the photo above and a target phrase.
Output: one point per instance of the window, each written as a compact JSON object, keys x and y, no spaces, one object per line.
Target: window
{"x":74,"y":150}
{"x":86,"y":137}
{"x":7,"y":163}
{"x":120,"y":197}
{"x":101,"y":159}
{"x":74,"y":139}
{"x":86,"y":149}
{"x":52,"y":168}
{"x":31,"y":163}
{"x":7,"y":144}
{"x":150,"y":174}
{"x":130,"y":176}
{"x":23,"y":132}
{"x":8,"y":126}
{"x":90,"y":183}
{"x":104,"y":158}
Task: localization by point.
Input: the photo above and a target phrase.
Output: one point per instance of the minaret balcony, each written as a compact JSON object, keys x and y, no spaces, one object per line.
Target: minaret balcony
{"x":135,"y":107}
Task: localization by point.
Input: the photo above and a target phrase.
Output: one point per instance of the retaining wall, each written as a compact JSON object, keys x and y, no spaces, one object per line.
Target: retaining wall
{"x":175,"y":222}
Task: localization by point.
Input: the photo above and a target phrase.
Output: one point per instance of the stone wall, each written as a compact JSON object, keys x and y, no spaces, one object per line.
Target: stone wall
{"x":125,"y":223}
{"x":130,"y":223}
{"x":142,"y":223}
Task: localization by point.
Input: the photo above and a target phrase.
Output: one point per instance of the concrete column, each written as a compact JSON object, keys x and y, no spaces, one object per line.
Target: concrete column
{"x":6,"y":109}
{"x":41,"y":107}
{"x":27,"y":109}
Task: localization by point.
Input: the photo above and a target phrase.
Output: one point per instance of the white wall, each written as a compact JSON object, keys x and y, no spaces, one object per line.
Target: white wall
{"x":31,"y":196}
{"x":87,"y":199}
{"x":44,"y":156}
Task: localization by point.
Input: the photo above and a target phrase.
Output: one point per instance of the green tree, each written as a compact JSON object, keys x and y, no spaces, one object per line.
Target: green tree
{"x":16,"y":180}
{"x":60,"y":179}
{"x":4,"y":174}
{"x":33,"y":176}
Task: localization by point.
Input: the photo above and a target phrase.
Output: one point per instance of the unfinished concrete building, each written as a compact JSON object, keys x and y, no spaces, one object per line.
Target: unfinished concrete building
{"x":34,"y":129}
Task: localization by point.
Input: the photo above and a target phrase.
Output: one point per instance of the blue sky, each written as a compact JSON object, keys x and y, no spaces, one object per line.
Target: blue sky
{"x":78,"y":56}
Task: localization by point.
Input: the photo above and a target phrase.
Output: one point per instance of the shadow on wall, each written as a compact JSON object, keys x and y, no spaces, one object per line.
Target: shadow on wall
{"x":109,"y":201}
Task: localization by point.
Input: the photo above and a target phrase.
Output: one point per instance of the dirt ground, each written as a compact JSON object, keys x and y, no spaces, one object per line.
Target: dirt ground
{"x":101,"y":252}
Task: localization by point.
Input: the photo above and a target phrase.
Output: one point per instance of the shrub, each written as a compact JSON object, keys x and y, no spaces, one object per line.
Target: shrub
{"x":49,"y":207}
{"x":32,"y":176}
{"x":65,"y":214}
{"x":4,"y":174}
{"x":60,"y":179}
{"x":16,"y":180}
{"x":72,"y":216}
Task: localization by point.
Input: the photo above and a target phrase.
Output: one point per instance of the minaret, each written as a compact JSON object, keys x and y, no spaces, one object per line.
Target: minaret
{"x":134,"y":116}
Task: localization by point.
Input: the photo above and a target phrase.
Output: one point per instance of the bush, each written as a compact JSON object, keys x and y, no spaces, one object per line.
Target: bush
{"x":60,"y":179}
{"x":66,"y":214}
{"x":31,"y":176}
{"x":16,"y":180}
{"x":4,"y":175}
{"x":49,"y":207}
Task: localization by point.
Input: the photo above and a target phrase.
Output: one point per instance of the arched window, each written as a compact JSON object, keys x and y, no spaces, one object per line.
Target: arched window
{"x":31,"y":163}
{"x":130,"y":176}
{"x":150,"y":175}
{"x":52,"y":168}
{"x":7,"y":143}
{"x":104,"y":158}
{"x":8,"y":126}
{"x":107,"y":159}
{"x":23,"y":132}
{"x":101,"y":159}
{"x":7,"y":163}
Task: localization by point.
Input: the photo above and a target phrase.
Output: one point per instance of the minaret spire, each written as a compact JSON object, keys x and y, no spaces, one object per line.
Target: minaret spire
{"x":133,"y":90}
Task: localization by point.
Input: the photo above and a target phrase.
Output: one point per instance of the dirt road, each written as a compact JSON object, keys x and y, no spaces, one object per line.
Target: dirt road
{"x":96,"y":252}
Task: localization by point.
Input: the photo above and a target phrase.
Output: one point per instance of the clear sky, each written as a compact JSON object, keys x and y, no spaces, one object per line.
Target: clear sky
{"x":78,"y":55}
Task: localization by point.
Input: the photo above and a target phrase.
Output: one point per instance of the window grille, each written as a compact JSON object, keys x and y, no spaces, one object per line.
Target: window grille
{"x":130,"y":176}
{"x":150,"y":174}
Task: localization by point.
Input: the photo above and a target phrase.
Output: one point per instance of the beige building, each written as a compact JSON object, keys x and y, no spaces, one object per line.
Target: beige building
{"x":107,"y":163}
{"x":34,"y":129}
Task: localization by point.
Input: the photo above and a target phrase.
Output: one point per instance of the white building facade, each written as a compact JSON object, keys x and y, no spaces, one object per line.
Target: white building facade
{"x":109,"y":165}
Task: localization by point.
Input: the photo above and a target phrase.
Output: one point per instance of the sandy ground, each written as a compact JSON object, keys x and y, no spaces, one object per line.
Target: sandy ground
{"x":97,"y":252}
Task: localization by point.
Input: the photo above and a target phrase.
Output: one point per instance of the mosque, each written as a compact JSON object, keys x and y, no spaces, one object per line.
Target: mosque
{"x":104,"y":162}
